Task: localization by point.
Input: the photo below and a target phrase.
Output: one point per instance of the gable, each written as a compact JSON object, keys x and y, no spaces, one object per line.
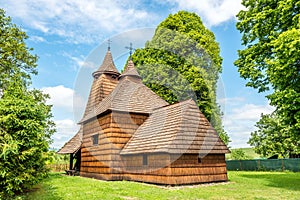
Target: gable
{"x":177,"y":129}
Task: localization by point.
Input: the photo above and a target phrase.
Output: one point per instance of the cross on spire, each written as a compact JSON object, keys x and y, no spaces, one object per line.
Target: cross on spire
{"x":108,"y":44}
{"x":130,"y":50}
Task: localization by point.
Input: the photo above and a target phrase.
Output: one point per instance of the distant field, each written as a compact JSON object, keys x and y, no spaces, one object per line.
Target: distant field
{"x":248,"y":151}
{"x":242,"y":185}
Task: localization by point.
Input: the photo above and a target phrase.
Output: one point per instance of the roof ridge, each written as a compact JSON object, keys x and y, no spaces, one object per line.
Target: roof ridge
{"x":188,"y":101}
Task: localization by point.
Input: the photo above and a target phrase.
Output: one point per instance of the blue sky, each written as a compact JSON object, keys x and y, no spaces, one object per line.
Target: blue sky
{"x":67,"y":34}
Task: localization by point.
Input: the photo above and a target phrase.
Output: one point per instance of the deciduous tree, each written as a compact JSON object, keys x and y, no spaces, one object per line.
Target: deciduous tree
{"x":271,"y":63}
{"x":182,"y":61}
{"x":15,"y":56}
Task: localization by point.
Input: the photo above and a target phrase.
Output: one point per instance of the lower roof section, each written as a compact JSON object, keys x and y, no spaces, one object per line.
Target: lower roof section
{"x":74,"y":144}
{"x":177,"y":129}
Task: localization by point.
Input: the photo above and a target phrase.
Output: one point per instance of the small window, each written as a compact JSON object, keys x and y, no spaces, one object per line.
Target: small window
{"x":145,"y":160}
{"x":199,"y":160}
{"x":95,"y":139}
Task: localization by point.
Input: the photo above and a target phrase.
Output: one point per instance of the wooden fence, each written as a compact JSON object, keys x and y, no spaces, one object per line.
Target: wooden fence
{"x":58,"y":167}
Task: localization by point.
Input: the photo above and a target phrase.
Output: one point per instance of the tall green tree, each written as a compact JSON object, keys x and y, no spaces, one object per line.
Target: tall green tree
{"x":25,"y":118}
{"x":15,"y":56}
{"x":270,"y":63}
{"x":183,"y":61}
{"x":272,"y":137}
{"x":25,"y":131}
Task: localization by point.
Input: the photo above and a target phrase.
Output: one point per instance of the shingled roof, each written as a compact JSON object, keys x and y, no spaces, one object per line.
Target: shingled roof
{"x":130,"y":71}
{"x":73,"y":144}
{"x":105,"y":80}
{"x":107,"y":66}
{"x":178,"y":128}
{"x":130,"y":95}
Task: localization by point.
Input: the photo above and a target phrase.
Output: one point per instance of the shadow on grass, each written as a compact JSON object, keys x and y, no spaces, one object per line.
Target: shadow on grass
{"x":288,"y":181}
{"x":45,"y":189}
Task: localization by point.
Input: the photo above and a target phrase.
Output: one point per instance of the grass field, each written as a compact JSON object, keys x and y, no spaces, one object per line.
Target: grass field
{"x":249,"y":153}
{"x":242,"y":185}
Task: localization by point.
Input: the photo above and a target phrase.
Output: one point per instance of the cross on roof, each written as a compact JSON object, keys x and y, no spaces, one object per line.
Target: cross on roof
{"x":108,"y":43}
{"x":130,"y":50}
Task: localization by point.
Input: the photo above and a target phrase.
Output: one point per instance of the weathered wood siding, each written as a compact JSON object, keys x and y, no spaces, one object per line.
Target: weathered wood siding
{"x":175,"y":169}
{"x":188,"y":170}
{"x":103,"y":161}
{"x":156,"y":171}
{"x":96,"y":158}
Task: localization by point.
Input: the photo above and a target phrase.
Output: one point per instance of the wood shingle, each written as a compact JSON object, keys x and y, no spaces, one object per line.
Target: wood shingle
{"x":178,"y":128}
{"x":74,"y":144}
{"x":130,"y":95}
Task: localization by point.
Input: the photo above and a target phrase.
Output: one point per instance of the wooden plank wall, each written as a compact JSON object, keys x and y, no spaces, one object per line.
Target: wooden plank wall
{"x":187,"y":170}
{"x":156,"y":171}
{"x":103,"y":161}
{"x":176,"y":169}
{"x":96,"y":158}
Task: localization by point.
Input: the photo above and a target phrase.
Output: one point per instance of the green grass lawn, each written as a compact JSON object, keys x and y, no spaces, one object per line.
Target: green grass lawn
{"x":242,"y":185}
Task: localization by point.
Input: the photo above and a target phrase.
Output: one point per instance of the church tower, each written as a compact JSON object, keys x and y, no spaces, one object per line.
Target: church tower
{"x":105,"y":80}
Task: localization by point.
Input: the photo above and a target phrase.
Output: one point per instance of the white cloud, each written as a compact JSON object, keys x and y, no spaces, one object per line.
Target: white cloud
{"x":65,"y":130}
{"x":80,"y":61}
{"x":37,"y":39}
{"x":79,"y":106}
{"x":239,"y":121}
{"x":213,"y":12}
{"x":66,"y":127}
{"x":60,"y":96}
{"x":89,"y":21}
{"x":78,"y":21}
{"x":250,"y":112}
{"x":231,"y":101}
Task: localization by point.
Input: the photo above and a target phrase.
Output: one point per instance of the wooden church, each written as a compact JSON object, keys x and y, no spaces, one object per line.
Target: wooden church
{"x":129,"y":133}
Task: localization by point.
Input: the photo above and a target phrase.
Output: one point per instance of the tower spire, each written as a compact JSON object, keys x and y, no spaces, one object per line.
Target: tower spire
{"x":108,"y":44}
{"x":130,"y":50}
{"x":130,"y":70}
{"x":107,"y":66}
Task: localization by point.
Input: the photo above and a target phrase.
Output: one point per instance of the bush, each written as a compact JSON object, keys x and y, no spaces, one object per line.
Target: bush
{"x":239,"y":154}
{"x":25,"y":134}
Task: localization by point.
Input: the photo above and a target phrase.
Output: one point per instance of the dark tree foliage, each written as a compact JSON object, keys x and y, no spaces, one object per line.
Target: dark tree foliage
{"x":183,"y":61}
